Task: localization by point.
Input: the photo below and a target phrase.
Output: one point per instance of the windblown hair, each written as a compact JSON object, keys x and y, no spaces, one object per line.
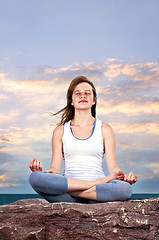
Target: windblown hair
{"x":68,"y":111}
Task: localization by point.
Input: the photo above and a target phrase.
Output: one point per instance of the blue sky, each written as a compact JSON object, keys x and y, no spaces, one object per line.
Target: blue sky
{"x":44,"y":45}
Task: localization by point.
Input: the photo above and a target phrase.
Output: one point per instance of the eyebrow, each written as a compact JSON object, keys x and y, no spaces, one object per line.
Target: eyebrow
{"x":84,"y":90}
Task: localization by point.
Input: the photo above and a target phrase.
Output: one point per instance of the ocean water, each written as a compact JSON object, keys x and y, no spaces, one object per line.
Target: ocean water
{"x":10,"y":198}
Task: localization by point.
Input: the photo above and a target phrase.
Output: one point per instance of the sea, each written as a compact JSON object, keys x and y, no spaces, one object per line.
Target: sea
{"x":10,"y":198}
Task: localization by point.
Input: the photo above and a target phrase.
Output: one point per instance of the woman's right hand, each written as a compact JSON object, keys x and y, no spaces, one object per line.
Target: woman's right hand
{"x":35,"y":165}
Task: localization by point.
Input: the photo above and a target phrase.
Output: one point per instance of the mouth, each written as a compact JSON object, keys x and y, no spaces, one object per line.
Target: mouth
{"x":83,"y":101}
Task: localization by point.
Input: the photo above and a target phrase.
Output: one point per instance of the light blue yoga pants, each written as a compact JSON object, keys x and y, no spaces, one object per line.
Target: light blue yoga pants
{"x":53,"y":188}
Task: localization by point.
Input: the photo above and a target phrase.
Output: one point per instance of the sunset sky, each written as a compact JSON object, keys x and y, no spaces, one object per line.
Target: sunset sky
{"x":44,"y":45}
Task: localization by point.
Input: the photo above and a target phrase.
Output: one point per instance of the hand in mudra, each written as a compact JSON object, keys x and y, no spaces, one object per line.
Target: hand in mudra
{"x":118,"y":174}
{"x":130,"y":178}
{"x":35,"y":165}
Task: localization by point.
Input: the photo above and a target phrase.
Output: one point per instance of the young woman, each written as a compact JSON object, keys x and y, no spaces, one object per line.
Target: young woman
{"x":82,"y":140}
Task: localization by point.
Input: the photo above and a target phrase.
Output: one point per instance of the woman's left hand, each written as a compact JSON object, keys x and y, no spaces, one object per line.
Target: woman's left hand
{"x":130,"y":178}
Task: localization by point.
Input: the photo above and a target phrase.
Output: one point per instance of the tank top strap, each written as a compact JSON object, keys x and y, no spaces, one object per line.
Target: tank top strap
{"x":67,"y":125}
{"x":66,"y":129}
{"x":98,"y":128}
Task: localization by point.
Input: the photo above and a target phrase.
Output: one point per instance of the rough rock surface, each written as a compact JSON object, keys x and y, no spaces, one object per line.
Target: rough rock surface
{"x":38,"y":219}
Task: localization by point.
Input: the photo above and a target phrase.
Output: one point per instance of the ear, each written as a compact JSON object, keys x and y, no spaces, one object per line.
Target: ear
{"x":94,"y":101}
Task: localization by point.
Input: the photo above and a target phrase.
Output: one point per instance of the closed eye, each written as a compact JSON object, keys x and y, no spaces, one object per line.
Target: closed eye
{"x":87,"y":93}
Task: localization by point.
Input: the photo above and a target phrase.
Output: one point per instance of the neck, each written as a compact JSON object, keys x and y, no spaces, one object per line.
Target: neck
{"x":83,"y":118}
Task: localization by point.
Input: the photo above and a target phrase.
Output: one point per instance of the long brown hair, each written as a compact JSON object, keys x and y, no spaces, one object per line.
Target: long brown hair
{"x":68,"y":111}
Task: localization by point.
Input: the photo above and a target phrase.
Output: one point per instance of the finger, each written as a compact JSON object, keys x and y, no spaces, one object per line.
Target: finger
{"x":135,"y":178}
{"x":37,"y":164}
{"x":33,"y":160}
{"x":31,"y":164}
{"x":125,"y":178}
{"x":128,"y":178}
{"x":122,"y":177}
{"x":34,"y":164}
{"x":40,"y":165}
{"x":132,"y":180}
{"x":130,"y":174}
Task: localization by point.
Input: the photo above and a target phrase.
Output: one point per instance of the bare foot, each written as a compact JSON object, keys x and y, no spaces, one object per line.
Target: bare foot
{"x":117,"y":174}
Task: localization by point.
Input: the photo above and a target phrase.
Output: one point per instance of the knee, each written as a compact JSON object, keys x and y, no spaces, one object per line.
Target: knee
{"x":125,"y":190}
{"x":48,"y":183}
{"x":34,"y":178}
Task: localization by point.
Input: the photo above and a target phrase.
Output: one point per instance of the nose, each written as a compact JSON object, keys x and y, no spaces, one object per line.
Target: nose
{"x":83,"y":94}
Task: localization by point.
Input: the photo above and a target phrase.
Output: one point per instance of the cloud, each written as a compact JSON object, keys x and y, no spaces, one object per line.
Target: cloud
{"x":127,"y":99}
{"x":128,"y":107}
{"x":150,"y":128}
{"x":10,"y":116}
{"x":130,"y":69}
{"x":154,"y":165}
{"x":3,"y":97}
{"x":8,"y":179}
{"x":115,"y":70}
{"x":141,"y":157}
{"x":3,"y":61}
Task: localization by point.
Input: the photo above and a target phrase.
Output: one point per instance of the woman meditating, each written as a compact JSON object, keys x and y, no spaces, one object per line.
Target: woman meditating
{"x":81,"y":140}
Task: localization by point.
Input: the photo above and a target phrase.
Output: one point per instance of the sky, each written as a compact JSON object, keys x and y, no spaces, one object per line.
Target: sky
{"x":44,"y":45}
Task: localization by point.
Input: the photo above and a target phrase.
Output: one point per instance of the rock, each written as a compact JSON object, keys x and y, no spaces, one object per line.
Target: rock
{"x":37,"y":219}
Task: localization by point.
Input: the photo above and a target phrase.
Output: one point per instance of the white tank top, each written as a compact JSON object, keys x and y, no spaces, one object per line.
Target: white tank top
{"x":83,"y":157}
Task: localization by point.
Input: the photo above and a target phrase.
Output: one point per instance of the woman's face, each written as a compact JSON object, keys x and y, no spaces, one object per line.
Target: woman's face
{"x":82,"y":97}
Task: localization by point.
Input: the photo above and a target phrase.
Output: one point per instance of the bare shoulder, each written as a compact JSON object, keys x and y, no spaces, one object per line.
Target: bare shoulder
{"x":106,"y":127}
{"x":58,"y":131}
{"x":107,"y":130}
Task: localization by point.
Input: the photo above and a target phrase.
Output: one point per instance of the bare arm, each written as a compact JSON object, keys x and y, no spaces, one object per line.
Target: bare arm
{"x":109,"y":144}
{"x":110,"y":155}
{"x":56,"y":161}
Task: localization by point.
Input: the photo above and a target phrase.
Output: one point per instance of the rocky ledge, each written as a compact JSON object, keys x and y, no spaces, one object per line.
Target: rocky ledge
{"x":38,"y":219}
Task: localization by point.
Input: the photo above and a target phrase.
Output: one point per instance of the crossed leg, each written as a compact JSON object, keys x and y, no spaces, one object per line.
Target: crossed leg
{"x":54,"y":188}
{"x":112,"y":191}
